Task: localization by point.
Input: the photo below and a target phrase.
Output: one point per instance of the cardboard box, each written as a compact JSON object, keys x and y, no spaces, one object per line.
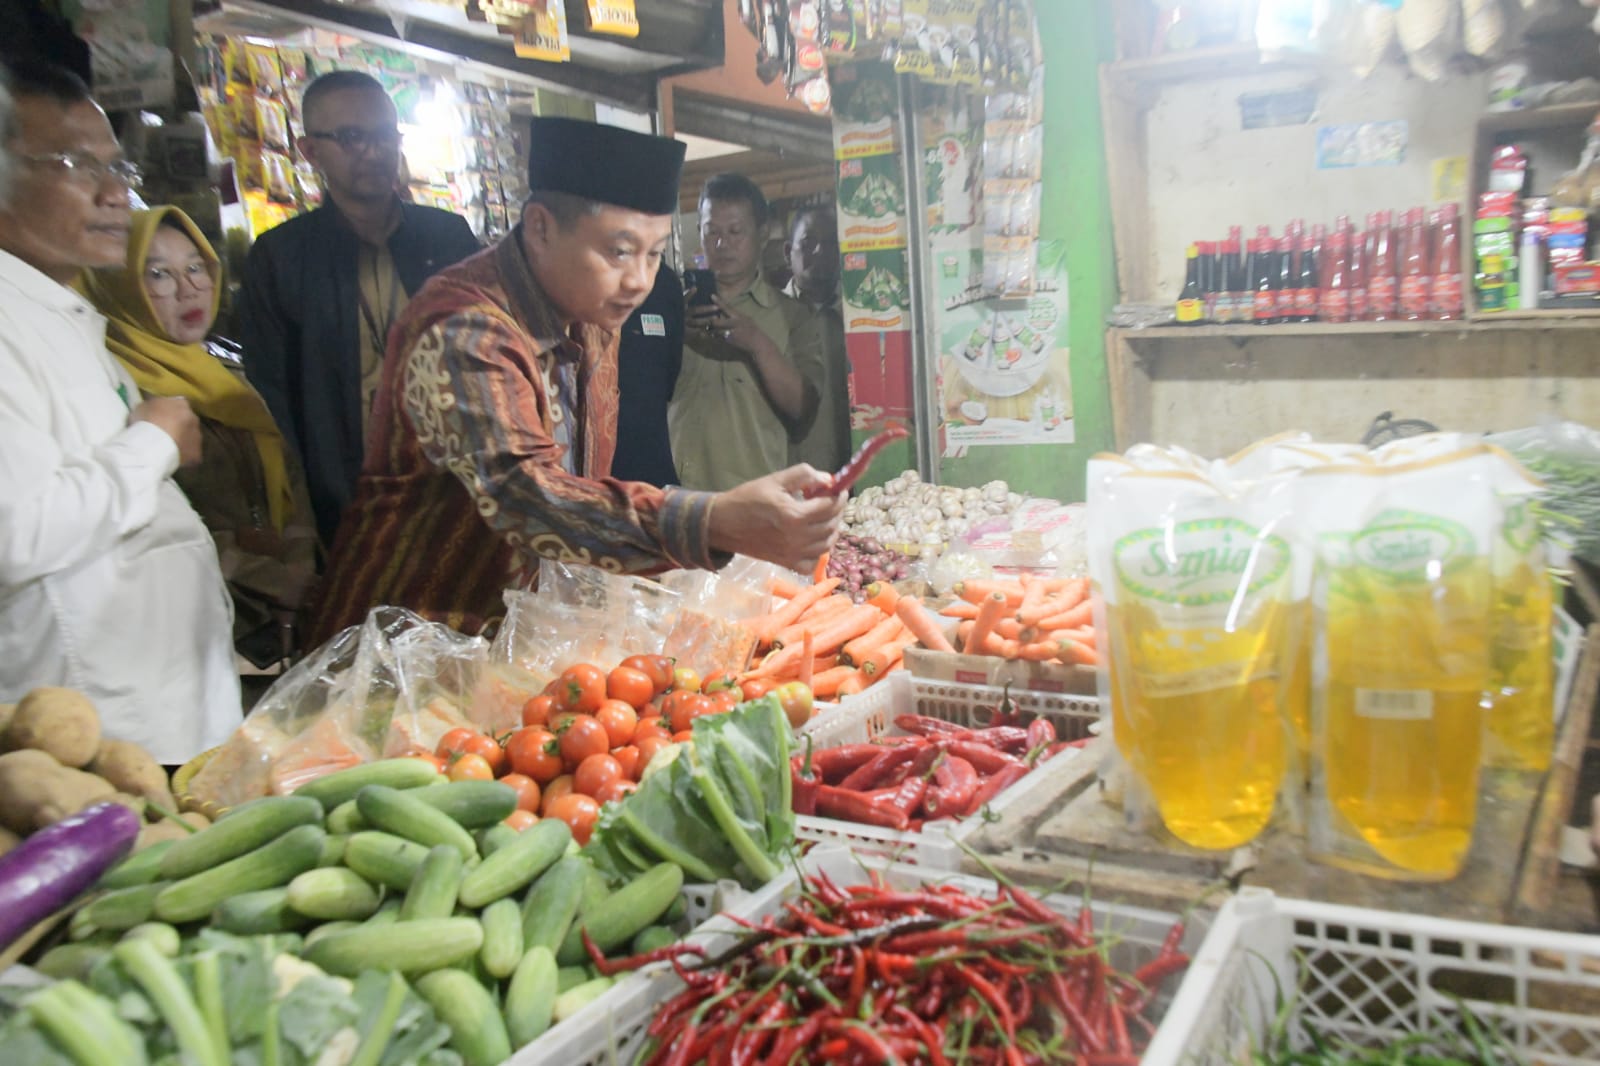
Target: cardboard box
{"x":991,"y":670}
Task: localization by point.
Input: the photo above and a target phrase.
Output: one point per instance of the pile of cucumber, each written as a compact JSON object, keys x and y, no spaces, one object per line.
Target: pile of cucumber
{"x":390,"y":867}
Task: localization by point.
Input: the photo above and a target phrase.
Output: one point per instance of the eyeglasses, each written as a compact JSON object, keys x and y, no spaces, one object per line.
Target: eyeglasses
{"x":160,"y":281}
{"x":88,"y":169}
{"x":355,"y":139}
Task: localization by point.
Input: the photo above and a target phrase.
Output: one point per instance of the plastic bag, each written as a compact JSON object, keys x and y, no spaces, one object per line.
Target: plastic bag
{"x":394,"y":683}
{"x":1566,"y":457}
{"x":709,"y":634}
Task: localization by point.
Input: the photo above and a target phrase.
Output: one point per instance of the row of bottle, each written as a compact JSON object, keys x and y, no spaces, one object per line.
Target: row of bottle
{"x":1407,"y":273}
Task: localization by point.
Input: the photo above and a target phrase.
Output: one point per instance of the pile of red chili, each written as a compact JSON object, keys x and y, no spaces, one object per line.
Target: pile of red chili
{"x":938,"y":770}
{"x":873,"y":974}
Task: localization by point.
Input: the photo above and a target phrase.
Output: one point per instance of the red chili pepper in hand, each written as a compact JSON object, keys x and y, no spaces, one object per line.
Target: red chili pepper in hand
{"x":851,"y":472}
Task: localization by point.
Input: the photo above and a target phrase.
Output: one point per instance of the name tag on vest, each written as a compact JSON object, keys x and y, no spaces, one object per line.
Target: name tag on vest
{"x":653,"y":325}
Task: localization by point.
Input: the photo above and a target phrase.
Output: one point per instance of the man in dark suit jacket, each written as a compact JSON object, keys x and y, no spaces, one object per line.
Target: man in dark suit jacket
{"x":649,"y":356}
{"x":321,"y":291}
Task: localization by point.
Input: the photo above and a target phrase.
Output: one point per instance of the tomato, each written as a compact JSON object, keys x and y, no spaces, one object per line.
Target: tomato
{"x":616,"y":790}
{"x":724,"y":700}
{"x":435,"y":761}
{"x":454,"y":741}
{"x":687,"y":709}
{"x":561,"y":786}
{"x":581,"y":738}
{"x":490,"y":749}
{"x":579,"y":812}
{"x":718,"y":681}
{"x":633,"y":687}
{"x":582,"y":689}
{"x":797,"y":701}
{"x":470,"y":768}
{"x":681,"y":737}
{"x":685,"y":679}
{"x":757,"y":687}
{"x":520,"y":820}
{"x":648,"y":748}
{"x":620,"y":721}
{"x":652,"y":724}
{"x":658,"y":668}
{"x":537,"y":710}
{"x":627,"y":757}
{"x":527,"y":791}
{"x":533,"y":752}
{"x":594,"y":773}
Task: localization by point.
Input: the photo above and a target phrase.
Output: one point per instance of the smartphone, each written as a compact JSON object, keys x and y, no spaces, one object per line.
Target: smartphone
{"x":704,"y":284}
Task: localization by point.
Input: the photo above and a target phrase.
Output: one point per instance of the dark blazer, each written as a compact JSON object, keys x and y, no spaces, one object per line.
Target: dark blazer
{"x":649,"y":356}
{"x":300,"y":328}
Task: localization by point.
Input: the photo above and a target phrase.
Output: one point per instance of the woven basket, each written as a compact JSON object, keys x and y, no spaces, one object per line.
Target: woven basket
{"x":180,"y":787}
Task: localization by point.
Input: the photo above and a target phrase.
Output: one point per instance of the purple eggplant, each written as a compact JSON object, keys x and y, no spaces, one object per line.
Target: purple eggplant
{"x":49,"y":869}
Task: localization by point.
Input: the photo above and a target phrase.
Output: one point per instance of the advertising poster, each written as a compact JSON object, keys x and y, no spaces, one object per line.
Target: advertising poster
{"x":876,"y":294}
{"x":1003,"y":374}
{"x":872,"y":204}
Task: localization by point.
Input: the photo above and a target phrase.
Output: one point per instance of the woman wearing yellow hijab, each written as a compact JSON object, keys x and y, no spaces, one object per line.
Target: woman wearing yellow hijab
{"x":248,"y":488}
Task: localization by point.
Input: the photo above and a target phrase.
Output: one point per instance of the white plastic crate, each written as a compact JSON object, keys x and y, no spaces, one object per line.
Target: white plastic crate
{"x":705,"y":904}
{"x":616,"y":1037}
{"x":1373,"y":977}
{"x":871,"y":714}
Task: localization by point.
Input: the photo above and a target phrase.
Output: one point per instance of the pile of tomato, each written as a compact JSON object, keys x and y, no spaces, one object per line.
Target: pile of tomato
{"x":587,"y":738}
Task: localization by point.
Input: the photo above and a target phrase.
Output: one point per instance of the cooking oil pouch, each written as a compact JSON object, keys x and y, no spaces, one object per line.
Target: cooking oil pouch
{"x":1521,"y":697}
{"x":1403,"y":591}
{"x":1195,"y":587}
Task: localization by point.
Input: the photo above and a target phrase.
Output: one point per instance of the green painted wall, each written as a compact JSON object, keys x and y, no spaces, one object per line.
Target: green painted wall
{"x":1076,"y":208}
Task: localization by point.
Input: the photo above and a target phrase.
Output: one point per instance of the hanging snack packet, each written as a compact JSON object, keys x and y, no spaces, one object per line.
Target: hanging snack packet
{"x":266,"y":73}
{"x":543,"y":33}
{"x":1197,"y":590}
{"x":1403,"y":590}
{"x":615,"y":17}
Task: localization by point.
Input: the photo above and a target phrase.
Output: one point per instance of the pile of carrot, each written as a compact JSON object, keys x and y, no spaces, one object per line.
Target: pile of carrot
{"x":1035,"y":618}
{"x":819,"y":635}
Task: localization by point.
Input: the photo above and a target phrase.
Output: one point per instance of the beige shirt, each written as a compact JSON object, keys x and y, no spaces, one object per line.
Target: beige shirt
{"x":383,"y":297}
{"x":724,"y":429}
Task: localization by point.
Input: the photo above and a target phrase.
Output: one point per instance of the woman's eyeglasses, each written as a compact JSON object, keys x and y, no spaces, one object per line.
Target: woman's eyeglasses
{"x":163,"y":281}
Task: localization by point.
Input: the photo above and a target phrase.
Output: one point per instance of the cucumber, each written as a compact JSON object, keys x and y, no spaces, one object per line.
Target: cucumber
{"x":472,"y":804}
{"x":502,"y":938}
{"x":384,"y":858}
{"x":395,"y":812}
{"x":531,"y":996}
{"x":677,"y":912}
{"x":333,"y":849}
{"x":275,"y":864}
{"x":494,"y":838}
{"x":433,"y":890}
{"x":346,"y":818}
{"x":79,"y":927}
{"x":72,"y":961}
{"x":264,"y":911}
{"x":573,"y":1000}
{"x":477,"y":1032}
{"x":241,"y":831}
{"x":570,"y":977}
{"x":140,"y":868}
{"x":595,"y":889}
{"x":327,"y":929}
{"x":653,"y":938}
{"x":552,"y":903}
{"x":409,"y":947}
{"x":162,"y":935}
{"x":620,"y":916}
{"x":333,"y":894}
{"x":517,"y":864}
{"x":387,"y":914}
{"x":342,"y":785}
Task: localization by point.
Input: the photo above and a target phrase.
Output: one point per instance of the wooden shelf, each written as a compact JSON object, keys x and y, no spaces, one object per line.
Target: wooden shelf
{"x":1495,"y":322}
{"x":1558,"y":116}
{"x":1553,"y":316}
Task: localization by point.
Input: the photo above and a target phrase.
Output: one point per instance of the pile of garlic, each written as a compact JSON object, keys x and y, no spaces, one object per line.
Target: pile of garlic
{"x":920,"y":518}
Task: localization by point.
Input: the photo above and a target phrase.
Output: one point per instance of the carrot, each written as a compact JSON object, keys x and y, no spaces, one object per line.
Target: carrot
{"x":883,"y":595}
{"x":960,"y":609}
{"x":879,"y":634}
{"x":909,"y":610}
{"x":767,"y":625}
{"x":826,"y":684}
{"x":819,"y":615}
{"x":1068,"y":597}
{"x":1033,"y":595}
{"x":1038,"y":651}
{"x":805,"y":659}
{"x":823,"y":662}
{"x":1084,"y":635}
{"x":836,"y":632}
{"x":783,"y":587}
{"x":989,"y":613}
{"x":976,"y":590}
{"x":780,"y":664}
{"x":1078,"y":653}
{"x":851,"y":685}
{"x":820,"y":571}
{"x":1081,"y":614}
{"x":885,"y":658}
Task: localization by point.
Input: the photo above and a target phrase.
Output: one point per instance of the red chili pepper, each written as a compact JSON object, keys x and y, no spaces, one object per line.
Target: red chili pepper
{"x":923,"y":726}
{"x":869,"y":808}
{"x":851,"y":472}
{"x":794,"y":1040}
{"x":956,"y":782}
{"x":1011,"y":739}
{"x":806,"y":780}
{"x":612,"y":967}
{"x":908,"y":797}
{"x":984,"y":758}
{"x":834,"y":763}
{"x":932,"y":1042}
{"x":873,"y":774}
{"x":1087,"y":1036}
{"x":995,"y":785}
{"x":1041,"y":733}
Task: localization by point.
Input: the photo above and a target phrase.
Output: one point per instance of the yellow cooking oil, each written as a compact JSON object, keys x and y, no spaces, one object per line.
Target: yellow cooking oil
{"x":1196,"y":712}
{"x":1296,"y":651}
{"x":1402,"y":724}
{"x":1521,"y":695}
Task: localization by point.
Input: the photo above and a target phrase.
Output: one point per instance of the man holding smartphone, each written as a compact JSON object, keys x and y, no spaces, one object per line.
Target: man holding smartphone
{"x":754,"y":360}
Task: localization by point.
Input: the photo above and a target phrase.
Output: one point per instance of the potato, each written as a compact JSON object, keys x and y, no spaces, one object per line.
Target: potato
{"x":8,"y":840}
{"x":159,"y":831}
{"x":60,"y":721}
{"x":195,"y":819}
{"x":36,"y":791}
{"x":6,"y":711}
{"x":133,"y":803}
{"x":132,"y":770}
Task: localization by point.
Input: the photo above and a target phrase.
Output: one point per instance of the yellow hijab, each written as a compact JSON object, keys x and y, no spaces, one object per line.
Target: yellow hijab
{"x":161,"y":366}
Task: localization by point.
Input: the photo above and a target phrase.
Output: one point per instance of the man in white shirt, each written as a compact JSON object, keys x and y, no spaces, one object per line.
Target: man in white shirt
{"x":109,"y":583}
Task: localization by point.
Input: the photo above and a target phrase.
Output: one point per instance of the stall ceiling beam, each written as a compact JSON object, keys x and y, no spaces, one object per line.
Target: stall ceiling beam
{"x":790,"y":135}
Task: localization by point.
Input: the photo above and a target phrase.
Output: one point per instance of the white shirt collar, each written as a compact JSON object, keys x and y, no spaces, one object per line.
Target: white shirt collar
{"x":37,"y":287}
